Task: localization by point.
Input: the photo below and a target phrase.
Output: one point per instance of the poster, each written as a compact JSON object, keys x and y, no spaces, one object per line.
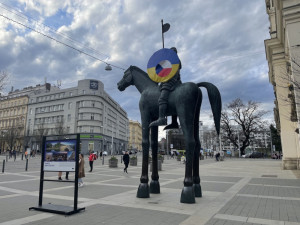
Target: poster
{"x":60,"y":155}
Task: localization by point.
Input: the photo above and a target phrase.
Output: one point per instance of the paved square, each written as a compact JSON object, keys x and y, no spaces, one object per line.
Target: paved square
{"x":235,"y":192}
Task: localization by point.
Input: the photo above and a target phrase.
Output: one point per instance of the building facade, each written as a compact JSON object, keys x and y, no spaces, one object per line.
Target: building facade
{"x":135,"y":135}
{"x":283,"y":55}
{"x":86,"y":109}
{"x":13,"y":116}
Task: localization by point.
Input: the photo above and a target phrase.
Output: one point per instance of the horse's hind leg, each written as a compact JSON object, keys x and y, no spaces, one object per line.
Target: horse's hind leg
{"x":196,"y":177}
{"x":154,"y":184}
{"x":186,"y":121}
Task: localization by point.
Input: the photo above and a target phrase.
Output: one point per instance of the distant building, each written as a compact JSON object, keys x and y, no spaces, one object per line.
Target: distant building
{"x":283,"y":55}
{"x":135,"y":135}
{"x":13,"y":116}
{"x":86,"y":109}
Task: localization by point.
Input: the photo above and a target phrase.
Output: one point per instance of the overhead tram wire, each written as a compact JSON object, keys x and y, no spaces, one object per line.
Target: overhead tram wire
{"x":58,"y":41}
{"x":51,"y":29}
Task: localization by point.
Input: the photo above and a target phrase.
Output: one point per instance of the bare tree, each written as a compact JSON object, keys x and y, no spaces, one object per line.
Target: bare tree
{"x":13,"y":136}
{"x":3,"y":80}
{"x":241,"y":121}
{"x":40,"y":132}
{"x":289,"y":79}
{"x":60,"y":127}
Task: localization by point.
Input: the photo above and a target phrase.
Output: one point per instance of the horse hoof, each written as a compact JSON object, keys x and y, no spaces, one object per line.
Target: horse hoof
{"x":197,"y":190}
{"x":188,"y":195}
{"x":154,"y":187}
{"x":143,"y":191}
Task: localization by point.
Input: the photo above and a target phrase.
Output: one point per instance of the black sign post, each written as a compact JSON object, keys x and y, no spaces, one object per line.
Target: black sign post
{"x":52,"y":208}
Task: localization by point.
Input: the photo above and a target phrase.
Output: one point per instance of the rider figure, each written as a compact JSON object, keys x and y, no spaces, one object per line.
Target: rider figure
{"x":165,"y":89}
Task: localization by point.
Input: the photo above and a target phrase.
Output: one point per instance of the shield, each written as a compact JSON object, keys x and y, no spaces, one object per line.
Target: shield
{"x":163,"y":65}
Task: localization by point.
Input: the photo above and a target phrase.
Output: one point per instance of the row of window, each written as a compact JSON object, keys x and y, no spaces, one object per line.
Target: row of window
{"x":51,"y":119}
{"x":51,"y":131}
{"x":11,"y":122}
{"x":12,"y":112}
{"x":13,"y":103}
{"x":54,"y":96}
{"x":51,"y":108}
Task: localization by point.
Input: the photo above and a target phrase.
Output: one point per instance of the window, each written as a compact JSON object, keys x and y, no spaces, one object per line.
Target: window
{"x":92,"y":129}
{"x":83,"y":91}
{"x":71,"y":93}
{"x":69,"y":117}
{"x":92,"y":116}
{"x":30,"y":111}
{"x":93,"y":104}
{"x":70,"y":105}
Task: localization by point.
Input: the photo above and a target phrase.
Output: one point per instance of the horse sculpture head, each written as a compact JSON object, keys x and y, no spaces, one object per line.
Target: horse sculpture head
{"x":126,"y":81}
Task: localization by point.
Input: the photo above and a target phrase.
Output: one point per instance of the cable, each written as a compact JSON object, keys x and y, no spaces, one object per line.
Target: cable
{"x":58,"y":41}
{"x":23,"y":16}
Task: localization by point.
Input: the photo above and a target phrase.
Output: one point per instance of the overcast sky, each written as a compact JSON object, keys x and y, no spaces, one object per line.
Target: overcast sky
{"x":218,"y":41}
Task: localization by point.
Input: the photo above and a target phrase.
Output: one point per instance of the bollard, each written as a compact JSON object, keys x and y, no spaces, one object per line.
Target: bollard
{"x":22,"y":156}
{"x":3,"y":166}
{"x":26,"y":165}
{"x":6,"y":158}
{"x":102,"y":159}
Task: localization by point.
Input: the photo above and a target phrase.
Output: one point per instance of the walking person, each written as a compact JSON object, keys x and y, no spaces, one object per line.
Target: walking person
{"x":126,"y":161}
{"x":91,"y":160}
{"x":60,"y":174}
{"x":81,"y":172}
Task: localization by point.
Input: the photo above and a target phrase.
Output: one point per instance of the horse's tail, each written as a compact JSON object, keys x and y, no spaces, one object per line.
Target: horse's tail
{"x":215,"y":102}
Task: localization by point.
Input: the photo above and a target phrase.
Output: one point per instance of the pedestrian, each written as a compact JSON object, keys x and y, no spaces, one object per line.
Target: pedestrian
{"x":100,"y":154}
{"x":92,"y":157}
{"x":81,"y":172}
{"x":126,"y":161}
{"x":60,"y":174}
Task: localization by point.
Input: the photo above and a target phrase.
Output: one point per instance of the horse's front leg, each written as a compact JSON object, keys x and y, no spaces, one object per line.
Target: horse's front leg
{"x":154,"y":184}
{"x":143,"y":190}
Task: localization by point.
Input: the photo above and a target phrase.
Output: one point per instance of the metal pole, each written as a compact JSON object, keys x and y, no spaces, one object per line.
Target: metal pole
{"x":162,"y":33}
{"x":112,"y":143}
{"x":3,"y":166}
{"x":167,"y":132}
{"x":26,"y":168}
{"x":239,"y":144}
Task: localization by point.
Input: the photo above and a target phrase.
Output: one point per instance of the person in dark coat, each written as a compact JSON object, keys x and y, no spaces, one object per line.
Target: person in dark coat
{"x":126,"y":161}
{"x":81,"y":172}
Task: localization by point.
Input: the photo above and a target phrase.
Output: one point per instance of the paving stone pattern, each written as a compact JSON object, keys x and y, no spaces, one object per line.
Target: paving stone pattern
{"x":235,"y":192}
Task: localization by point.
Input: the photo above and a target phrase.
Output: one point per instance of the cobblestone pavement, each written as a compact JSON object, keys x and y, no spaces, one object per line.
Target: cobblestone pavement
{"x":235,"y":192}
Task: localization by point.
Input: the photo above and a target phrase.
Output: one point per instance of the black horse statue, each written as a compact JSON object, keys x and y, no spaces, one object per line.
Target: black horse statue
{"x":184,"y":102}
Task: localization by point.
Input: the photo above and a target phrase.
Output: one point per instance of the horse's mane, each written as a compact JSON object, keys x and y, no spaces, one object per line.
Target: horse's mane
{"x":137,"y":69}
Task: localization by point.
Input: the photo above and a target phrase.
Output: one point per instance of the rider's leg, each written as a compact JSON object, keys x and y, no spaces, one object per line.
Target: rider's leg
{"x":173,"y":125}
{"x":163,"y":105}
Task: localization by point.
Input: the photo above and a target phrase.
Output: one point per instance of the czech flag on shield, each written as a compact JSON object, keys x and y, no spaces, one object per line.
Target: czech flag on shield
{"x":163,"y":65}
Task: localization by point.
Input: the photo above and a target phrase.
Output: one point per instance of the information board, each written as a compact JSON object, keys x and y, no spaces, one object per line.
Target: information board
{"x":60,"y":155}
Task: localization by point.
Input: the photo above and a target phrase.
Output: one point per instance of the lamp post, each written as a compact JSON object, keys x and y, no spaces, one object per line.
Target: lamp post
{"x":239,"y":143}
